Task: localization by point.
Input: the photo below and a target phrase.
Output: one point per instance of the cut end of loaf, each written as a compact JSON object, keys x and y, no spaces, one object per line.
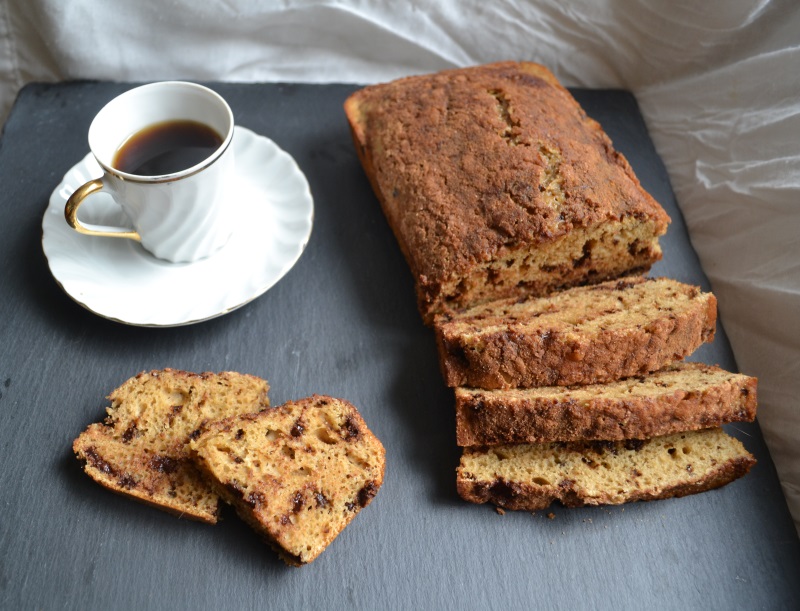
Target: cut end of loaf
{"x":583,"y":256}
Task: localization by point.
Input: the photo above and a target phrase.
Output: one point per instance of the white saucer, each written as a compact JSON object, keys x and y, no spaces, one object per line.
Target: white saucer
{"x":119,"y":280}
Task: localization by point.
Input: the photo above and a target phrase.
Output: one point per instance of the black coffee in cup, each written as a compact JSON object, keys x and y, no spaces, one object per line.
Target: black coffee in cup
{"x":166,"y":148}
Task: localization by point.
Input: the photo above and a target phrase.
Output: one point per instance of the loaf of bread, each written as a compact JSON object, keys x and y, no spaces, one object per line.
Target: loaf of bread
{"x":497,"y":184}
{"x":298,"y":473}
{"x":532,"y":476}
{"x":583,"y":335}
{"x":681,"y":397}
{"x":140,"y":450}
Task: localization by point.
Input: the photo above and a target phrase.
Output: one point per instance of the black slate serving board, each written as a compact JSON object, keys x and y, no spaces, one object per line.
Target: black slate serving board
{"x":342,"y":322}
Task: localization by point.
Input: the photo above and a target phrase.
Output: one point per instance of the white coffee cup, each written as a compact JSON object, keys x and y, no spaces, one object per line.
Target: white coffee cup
{"x":181,"y":216}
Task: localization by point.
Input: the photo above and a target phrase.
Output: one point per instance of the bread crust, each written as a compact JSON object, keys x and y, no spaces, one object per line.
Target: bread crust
{"x":481,"y":170}
{"x":687,"y":396}
{"x":517,"y":354}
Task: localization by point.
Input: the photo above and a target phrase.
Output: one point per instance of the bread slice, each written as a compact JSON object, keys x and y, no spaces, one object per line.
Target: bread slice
{"x":584,"y":335}
{"x":532,"y":476}
{"x":140,"y":450}
{"x":298,"y":473}
{"x":497,"y":184}
{"x":681,"y":397}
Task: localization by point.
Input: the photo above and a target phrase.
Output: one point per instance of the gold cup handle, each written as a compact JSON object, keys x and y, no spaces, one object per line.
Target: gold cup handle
{"x":71,"y":214}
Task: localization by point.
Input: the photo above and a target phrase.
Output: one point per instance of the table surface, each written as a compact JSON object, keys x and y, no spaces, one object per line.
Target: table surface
{"x":342,"y":322}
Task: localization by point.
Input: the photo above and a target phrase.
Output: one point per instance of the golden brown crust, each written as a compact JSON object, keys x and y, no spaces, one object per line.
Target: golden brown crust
{"x":602,"y":473}
{"x":297,"y":474}
{"x":686,"y":396}
{"x":531,"y":343}
{"x":139,"y":451}
{"x":496,"y":183}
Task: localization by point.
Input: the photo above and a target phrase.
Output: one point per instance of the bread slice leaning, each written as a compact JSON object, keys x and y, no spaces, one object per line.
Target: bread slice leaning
{"x":140,"y":450}
{"x":298,"y":473}
{"x":585,"y":335}
{"x":532,"y":476}
{"x":680,"y":397}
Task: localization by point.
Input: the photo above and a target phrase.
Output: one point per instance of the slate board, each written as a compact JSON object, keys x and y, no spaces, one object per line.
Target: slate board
{"x":342,"y":322}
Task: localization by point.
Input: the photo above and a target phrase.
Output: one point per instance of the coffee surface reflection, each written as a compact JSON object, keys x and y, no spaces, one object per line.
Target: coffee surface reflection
{"x":166,"y":148}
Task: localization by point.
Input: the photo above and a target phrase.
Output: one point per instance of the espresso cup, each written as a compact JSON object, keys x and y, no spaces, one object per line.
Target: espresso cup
{"x":179,"y":214}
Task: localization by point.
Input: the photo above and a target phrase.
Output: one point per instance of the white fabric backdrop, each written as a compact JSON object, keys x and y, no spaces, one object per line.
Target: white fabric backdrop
{"x":718,"y":83}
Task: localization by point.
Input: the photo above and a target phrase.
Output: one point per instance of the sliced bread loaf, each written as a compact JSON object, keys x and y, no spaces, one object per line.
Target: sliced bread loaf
{"x":497,"y":184}
{"x":532,"y":476}
{"x":681,"y":397}
{"x":585,"y":335}
{"x":140,"y":448}
{"x":298,"y":473}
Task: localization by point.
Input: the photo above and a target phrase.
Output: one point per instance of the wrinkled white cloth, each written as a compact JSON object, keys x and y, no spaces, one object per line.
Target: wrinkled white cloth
{"x":717,"y":83}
